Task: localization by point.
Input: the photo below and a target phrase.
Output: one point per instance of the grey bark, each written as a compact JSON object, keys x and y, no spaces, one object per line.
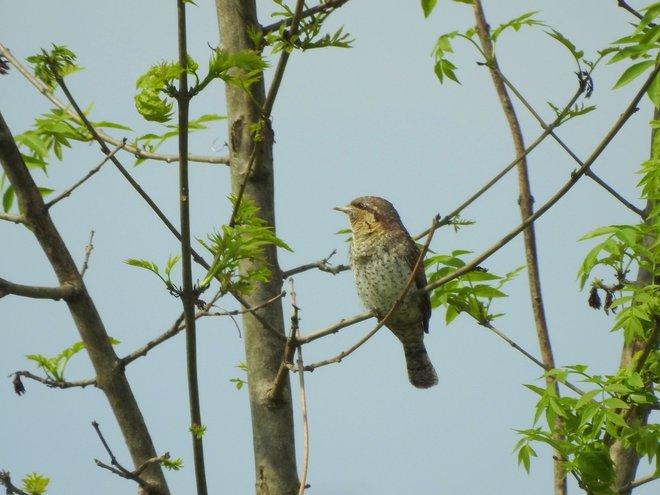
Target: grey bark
{"x":272,"y":424}
{"x":110,"y":376}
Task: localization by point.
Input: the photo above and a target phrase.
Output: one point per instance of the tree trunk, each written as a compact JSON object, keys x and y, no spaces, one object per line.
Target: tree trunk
{"x":272,"y":424}
{"x":626,"y":460}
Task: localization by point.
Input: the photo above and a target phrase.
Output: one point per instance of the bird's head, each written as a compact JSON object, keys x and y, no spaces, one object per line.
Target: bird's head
{"x":371,"y":214}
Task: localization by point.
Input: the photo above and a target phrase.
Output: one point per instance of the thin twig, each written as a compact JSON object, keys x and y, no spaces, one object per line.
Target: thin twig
{"x":554,"y":124}
{"x":529,"y":356}
{"x":89,"y":174}
{"x":346,"y":322}
{"x":641,"y":481}
{"x":88,"y":252}
{"x":274,"y":394}
{"x":243,"y":311}
{"x":321,"y":265}
{"x":295,"y":328}
{"x":5,"y":480}
{"x":317,"y":9}
{"x":56,"y":383}
{"x":119,"y":470}
{"x":588,"y":173}
{"x":624,"y":5}
{"x":575,"y":177}
{"x":136,"y":151}
{"x":283,"y":60}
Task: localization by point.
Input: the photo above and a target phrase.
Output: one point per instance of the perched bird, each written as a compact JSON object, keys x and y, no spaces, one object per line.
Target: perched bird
{"x":382,"y":255}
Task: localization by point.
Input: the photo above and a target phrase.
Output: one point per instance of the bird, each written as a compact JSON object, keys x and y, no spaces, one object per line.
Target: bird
{"x":382,"y":256}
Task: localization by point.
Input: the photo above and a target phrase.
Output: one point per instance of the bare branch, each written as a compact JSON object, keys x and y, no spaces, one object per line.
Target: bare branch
{"x":120,"y":470}
{"x":282,"y":62}
{"x":274,"y":394}
{"x":588,"y":173}
{"x":68,"y":192}
{"x":554,"y":124}
{"x":529,"y":356}
{"x":295,"y":328}
{"x":56,"y":383}
{"x":237,"y":312}
{"x":88,"y":253}
{"x":7,"y":217}
{"x":5,"y":480}
{"x":35,"y":292}
{"x":575,"y":176}
{"x":176,"y":327}
{"x":624,"y":5}
{"x":320,"y":265}
{"x":345,"y":322}
{"x":138,"y":152}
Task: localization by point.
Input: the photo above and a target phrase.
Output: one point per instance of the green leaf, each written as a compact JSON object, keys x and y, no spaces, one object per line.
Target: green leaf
{"x":153,"y":107}
{"x":577,"y":54}
{"x":428,"y":6}
{"x":8,"y":198}
{"x":633,"y":72}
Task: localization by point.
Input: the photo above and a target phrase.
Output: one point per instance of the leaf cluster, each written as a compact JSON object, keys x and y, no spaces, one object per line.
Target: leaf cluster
{"x":471,"y":293}
{"x":55,"y":366}
{"x":50,"y":134}
{"x":308,"y":36}
{"x":626,"y":246}
{"x":243,"y":243}
{"x":35,"y":483}
{"x":153,"y":268}
{"x":445,"y":68}
{"x":582,"y":428}
{"x":641,"y":47}
{"x":53,"y":65}
{"x":157,"y":87}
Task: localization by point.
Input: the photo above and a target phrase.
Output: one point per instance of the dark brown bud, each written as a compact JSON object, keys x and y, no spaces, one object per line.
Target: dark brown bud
{"x":594,"y":298}
{"x":19,"y":388}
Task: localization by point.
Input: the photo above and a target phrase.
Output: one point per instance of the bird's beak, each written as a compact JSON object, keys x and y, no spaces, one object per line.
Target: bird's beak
{"x":344,"y":209}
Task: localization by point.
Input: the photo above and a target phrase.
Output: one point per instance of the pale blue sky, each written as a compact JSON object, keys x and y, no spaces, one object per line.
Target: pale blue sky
{"x":370,"y":120}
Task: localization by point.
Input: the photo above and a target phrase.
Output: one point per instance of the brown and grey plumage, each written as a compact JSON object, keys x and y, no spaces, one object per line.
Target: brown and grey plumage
{"x":382,"y":256}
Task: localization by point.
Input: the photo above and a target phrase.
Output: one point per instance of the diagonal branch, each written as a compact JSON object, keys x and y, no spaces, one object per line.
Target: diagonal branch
{"x":568,"y":150}
{"x":89,"y":174}
{"x":317,"y":9}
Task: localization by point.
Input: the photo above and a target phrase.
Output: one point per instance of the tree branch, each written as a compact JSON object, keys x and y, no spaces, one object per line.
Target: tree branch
{"x":65,"y":292}
{"x":317,"y":9}
{"x":56,"y":383}
{"x":320,"y":265}
{"x":68,"y":192}
{"x":588,"y":173}
{"x":554,"y":124}
{"x":5,"y":480}
{"x":575,"y":177}
{"x":8,"y":217}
